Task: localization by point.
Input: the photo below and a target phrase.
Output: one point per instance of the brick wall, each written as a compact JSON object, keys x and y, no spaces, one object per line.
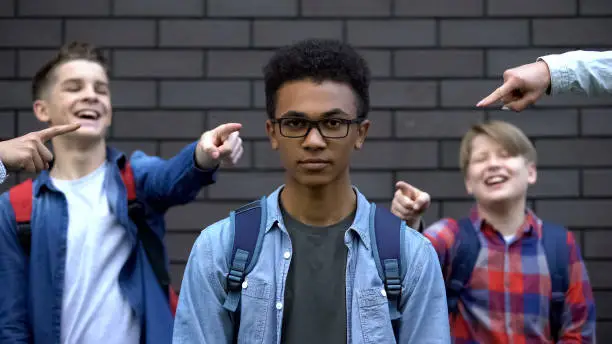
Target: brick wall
{"x":182,"y":66}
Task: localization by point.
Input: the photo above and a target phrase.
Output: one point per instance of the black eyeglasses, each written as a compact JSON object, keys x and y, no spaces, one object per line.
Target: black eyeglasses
{"x":333,"y":128}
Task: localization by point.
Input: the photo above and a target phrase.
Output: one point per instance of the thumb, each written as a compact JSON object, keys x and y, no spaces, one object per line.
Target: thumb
{"x":406,"y":189}
{"x":208,"y":146}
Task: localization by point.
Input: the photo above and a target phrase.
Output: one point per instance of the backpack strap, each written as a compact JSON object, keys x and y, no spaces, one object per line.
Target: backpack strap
{"x":463,"y":263}
{"x":21,"y":197}
{"x":248,"y":226}
{"x":554,"y":242}
{"x":153,"y":246}
{"x":387,"y":240}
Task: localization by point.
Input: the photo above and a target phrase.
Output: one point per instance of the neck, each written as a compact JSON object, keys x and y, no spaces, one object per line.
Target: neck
{"x":320,"y":206}
{"x":74,"y":161}
{"x":506,"y":218}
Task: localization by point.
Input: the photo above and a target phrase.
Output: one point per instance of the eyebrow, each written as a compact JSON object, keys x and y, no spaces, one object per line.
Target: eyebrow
{"x":97,"y":82}
{"x":327,"y":114}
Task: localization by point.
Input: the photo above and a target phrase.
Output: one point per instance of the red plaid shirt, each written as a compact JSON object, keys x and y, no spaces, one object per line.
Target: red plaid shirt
{"x":517,"y":311}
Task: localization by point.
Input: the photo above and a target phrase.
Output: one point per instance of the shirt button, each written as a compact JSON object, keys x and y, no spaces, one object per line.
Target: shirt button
{"x":279,"y":305}
{"x":245,"y":284}
{"x":383,"y":292}
{"x":287,"y":255}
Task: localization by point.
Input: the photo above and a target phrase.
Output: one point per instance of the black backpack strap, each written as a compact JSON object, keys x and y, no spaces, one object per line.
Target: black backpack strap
{"x":554,"y":242}
{"x":248,"y":224}
{"x":463,"y":263}
{"x":387,"y":240}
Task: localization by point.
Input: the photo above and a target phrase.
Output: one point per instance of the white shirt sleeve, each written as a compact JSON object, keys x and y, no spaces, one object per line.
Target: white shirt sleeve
{"x":582,"y":72}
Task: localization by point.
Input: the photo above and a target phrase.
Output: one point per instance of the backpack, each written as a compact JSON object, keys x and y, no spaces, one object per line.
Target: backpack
{"x":20,"y":197}
{"x":248,"y":226}
{"x":554,"y":242}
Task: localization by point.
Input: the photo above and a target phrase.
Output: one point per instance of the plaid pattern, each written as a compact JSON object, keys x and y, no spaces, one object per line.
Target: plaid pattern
{"x":2,"y":173}
{"x":508,"y":296}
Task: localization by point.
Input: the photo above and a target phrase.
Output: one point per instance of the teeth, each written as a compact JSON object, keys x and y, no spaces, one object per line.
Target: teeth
{"x":495,"y":180}
{"x":87,"y":114}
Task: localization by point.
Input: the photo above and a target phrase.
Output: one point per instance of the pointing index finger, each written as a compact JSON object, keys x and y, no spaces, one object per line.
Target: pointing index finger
{"x":496,"y":95}
{"x":224,"y":130}
{"x":49,"y":133}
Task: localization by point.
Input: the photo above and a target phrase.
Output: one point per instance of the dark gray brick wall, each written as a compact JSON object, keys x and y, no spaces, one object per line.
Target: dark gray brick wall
{"x":180,"y":67}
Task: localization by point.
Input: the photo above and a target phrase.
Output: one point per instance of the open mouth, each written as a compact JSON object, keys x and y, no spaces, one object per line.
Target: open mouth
{"x":495,"y":180}
{"x":88,"y":114}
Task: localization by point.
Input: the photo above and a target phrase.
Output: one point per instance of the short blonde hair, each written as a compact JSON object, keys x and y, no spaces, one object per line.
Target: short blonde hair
{"x":510,"y":137}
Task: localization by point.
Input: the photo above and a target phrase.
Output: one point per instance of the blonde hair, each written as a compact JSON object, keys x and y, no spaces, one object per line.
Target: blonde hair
{"x":510,"y":137}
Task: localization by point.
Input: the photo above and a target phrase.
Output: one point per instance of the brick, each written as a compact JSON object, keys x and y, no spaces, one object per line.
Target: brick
{"x":603,"y":300}
{"x":604,"y":330}
{"x":169,"y":149}
{"x":154,"y":63}
{"x":597,"y":244}
{"x":112,"y":32}
{"x":204,"y":33}
{"x":434,"y":124}
{"x":132,"y":93}
{"x":136,"y":8}
{"x":536,"y":122}
{"x":439,"y":63}
{"x":244,"y":186}
{"x":14,"y":94}
{"x":259,"y":8}
{"x":597,"y":182}
{"x":7,"y":8}
{"x":438,"y":8}
{"x":385,"y":33}
{"x":158,"y":124}
{"x":346,"y":8}
{"x":374,"y":185}
{"x":499,"y":60}
{"x":595,"y":7}
{"x":576,"y":152}
{"x":571,"y":32}
{"x":130,"y":146}
{"x":236,"y":63}
{"x":572,"y":100}
{"x":450,"y":153}
{"x":178,"y":245}
{"x":403,"y":94}
{"x":438,"y":184}
{"x":63,"y":8}
{"x":199,"y":215}
{"x":275,"y":33}
{"x":599,"y":274}
{"x":556,"y":183}
{"x":259,"y":94}
{"x":576,"y":213}
{"x":379,"y":62}
{"x":456,"y":209}
{"x":7,"y":125}
{"x":381,"y":123}
{"x":531,"y":8}
{"x":465,"y":93}
{"x":30,"y":33}
{"x":253,"y":122}
{"x":27,"y":123}
{"x":7,"y":63}
{"x":265,"y":156}
{"x":176,"y":272}
{"x":205,"y":94}
{"x":398,"y":154}
{"x":484,"y":33}
{"x":30,"y":61}
{"x":596,"y":122}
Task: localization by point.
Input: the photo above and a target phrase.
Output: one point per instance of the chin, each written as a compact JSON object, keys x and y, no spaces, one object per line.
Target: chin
{"x":314,"y":180}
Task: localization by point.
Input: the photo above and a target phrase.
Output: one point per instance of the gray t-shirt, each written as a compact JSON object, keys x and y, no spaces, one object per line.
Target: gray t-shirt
{"x":315,"y":291}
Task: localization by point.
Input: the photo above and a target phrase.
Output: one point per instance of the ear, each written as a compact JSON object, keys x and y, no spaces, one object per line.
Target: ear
{"x":271,"y":132}
{"x":469,"y":188}
{"x":532,"y":173}
{"x":41,"y":111}
{"x":362,"y":132}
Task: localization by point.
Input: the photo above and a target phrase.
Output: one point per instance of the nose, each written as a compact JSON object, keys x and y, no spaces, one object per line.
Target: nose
{"x":314,"y":140}
{"x":90,"y":94}
{"x":494,"y":162}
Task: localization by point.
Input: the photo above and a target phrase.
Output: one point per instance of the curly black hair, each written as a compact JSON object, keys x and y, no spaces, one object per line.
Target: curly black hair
{"x":318,"y":60}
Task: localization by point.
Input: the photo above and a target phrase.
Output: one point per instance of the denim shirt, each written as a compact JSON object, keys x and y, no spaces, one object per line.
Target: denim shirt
{"x":582,"y":72}
{"x":32,"y":287}
{"x":201,"y":317}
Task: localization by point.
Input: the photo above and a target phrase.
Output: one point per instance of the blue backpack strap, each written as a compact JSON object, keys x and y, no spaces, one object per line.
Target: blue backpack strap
{"x":554,"y":242}
{"x":463,"y":263}
{"x":248,"y":226}
{"x":387,"y":241}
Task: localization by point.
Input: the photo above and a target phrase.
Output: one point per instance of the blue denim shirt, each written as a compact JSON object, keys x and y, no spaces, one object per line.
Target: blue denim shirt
{"x":31,"y":291}
{"x":582,"y":72}
{"x":201,"y":317}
